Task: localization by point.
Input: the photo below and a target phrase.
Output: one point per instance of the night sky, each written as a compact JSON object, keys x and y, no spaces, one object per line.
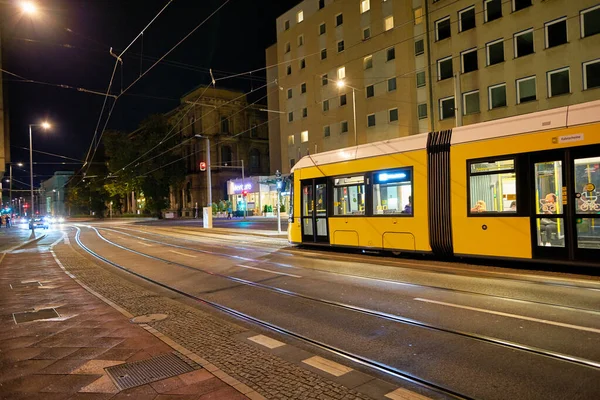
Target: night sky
{"x":234,"y":40}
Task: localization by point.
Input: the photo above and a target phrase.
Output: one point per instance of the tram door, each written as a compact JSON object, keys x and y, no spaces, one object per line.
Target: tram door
{"x":314,"y":211}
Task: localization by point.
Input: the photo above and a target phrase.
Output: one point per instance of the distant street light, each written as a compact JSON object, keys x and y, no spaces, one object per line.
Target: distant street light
{"x":45,"y":125}
{"x":340,"y":84}
{"x":28,"y":7}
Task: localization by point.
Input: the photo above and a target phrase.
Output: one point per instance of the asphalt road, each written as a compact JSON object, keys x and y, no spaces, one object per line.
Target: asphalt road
{"x":258,"y":223}
{"x":484,"y":333}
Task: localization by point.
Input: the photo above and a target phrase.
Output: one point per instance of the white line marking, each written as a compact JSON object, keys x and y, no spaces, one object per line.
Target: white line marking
{"x":328,"y":366}
{"x":145,"y":244}
{"x":543,"y":321}
{"x":182,"y":254}
{"x":267,"y":270}
{"x":266,"y":341}
{"x":404,"y":394}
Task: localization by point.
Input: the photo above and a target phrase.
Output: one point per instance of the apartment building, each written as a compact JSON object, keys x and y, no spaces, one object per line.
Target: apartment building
{"x":358,"y":71}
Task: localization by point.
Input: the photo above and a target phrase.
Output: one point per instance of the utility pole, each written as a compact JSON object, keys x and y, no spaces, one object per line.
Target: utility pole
{"x":458,"y":112}
{"x":279,"y":184}
{"x":208,"y":177}
{"x":243,"y":186}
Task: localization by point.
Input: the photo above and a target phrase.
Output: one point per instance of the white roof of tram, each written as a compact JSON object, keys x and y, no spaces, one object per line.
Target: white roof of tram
{"x":555,"y":118}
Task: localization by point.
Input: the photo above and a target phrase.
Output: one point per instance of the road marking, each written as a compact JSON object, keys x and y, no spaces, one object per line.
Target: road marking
{"x":266,"y":341}
{"x":145,"y":244}
{"x":404,"y":394}
{"x":328,"y":366}
{"x":182,"y":254}
{"x":267,"y":270}
{"x":543,"y":321}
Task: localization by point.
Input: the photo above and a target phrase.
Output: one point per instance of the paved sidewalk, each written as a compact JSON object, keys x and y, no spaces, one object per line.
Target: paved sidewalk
{"x":64,"y":356}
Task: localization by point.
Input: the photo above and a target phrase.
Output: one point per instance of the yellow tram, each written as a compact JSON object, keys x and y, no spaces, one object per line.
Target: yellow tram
{"x":526,"y":187}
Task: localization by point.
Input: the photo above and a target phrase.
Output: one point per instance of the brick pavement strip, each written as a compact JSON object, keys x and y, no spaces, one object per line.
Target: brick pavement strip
{"x":210,"y":338}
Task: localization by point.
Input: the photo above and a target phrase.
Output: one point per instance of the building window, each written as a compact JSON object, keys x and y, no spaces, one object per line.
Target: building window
{"x":422,"y":111}
{"x":288,"y":47}
{"x":255,"y":160}
{"x":371,"y":120}
{"x":523,"y":42}
{"x":300,"y":16}
{"x":442,"y":28}
{"x":286,"y":25}
{"x":303,"y":136}
{"x":224,"y":124}
{"x":340,"y":46}
{"x":392,"y":192}
{"x":324,"y":80}
{"x":254,"y":131}
{"x":418,"y":13}
{"x":492,"y":9}
{"x":391,"y":54}
{"x":556,"y":32}
{"x":322,"y":29}
{"x":303,"y":63}
{"x":323,"y":54}
{"x":469,"y":60}
{"x":520,"y":4}
{"x":321,"y":4}
{"x":325,"y":105}
{"x":303,"y":88}
{"x":304,"y":112}
{"x":466,"y":19}
{"x":326,"y":131}
{"x":497,"y":96}
{"x":492,"y":187}
{"x":393,"y":113}
{"x":292,"y":162}
{"x":365,"y":5}
{"x":291,"y":140}
{"x":226,"y":156}
{"x":300,"y":40}
{"x":447,"y":107}
{"x":343,"y":100}
{"x":419,"y":47}
{"x":526,"y":90}
{"x":495,"y":52}
{"x":370,"y":91}
{"x":391,"y":84}
{"x":421,"y":79}
{"x":388,"y":23}
{"x":341,"y":73}
{"x":339,"y":19}
{"x":559,"y":82}
{"x":445,"y":68}
{"x":289,"y":93}
{"x":344,"y":126}
{"x":289,"y":69}
{"x":290,"y":116}
{"x":471,"y":102}
{"x":368,"y":62}
{"x":366,"y":33}
{"x":590,"y":21}
{"x":349,"y":195}
{"x":591,"y":74}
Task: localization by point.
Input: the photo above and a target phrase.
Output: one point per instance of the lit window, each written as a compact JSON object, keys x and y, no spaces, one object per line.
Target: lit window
{"x":391,"y":84}
{"x":390,"y":54}
{"x":442,"y":28}
{"x":523,"y":42}
{"x":289,"y":93}
{"x":349,"y":195}
{"x":303,"y":63}
{"x":286,"y":25}
{"x":304,"y":136}
{"x":370,"y":91}
{"x":493,"y":9}
{"x":556,"y":32}
{"x":559,"y":82}
{"x":290,"y":116}
{"x":447,"y":107}
{"x":422,"y":111}
{"x":326,"y":131}
{"x":495,"y":52}
{"x":365,"y":5}
{"x":339,"y":19}
{"x":418,"y":13}
{"x":445,"y":68}
{"x":393,"y":113}
{"x":340,"y":46}
{"x":303,"y":88}
{"x":341,"y":73}
{"x":471,"y":102}
{"x":466,"y":19}
{"x":497,"y":96}
{"x":526,"y":90}
{"x":388,"y":23}
{"x":421,"y":79}
{"x":343,"y":100}
{"x":289,"y":69}
{"x":371,"y":120}
{"x":322,"y":29}
{"x":366,"y":33}
{"x":304,"y":112}
{"x":368,"y":62}
{"x":469,"y":60}
{"x":520,"y":4}
{"x":392,"y":192}
{"x":288,"y":47}
{"x":291,"y":140}
{"x":325,"y":105}
{"x":344,"y":127}
{"x":323,"y":54}
{"x":300,"y":40}
{"x":324,"y":80}
{"x":591,"y":74}
{"x":419,"y":47}
{"x":300,"y":16}
{"x":590,"y":21}
{"x":492,"y":187}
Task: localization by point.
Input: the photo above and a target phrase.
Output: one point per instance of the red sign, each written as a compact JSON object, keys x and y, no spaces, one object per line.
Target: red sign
{"x":202,"y":166}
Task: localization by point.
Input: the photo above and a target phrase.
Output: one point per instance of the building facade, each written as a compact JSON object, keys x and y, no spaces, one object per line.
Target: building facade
{"x":52,"y":194}
{"x":236,"y":130}
{"x":355,"y":72}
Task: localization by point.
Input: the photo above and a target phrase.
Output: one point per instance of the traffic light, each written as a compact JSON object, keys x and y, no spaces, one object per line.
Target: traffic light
{"x":202,"y":166}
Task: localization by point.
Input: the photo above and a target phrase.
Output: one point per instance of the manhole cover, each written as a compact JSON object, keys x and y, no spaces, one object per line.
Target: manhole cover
{"x":29,"y":316}
{"x":139,"y":373}
{"x":145,"y":319}
{"x":20,"y":285}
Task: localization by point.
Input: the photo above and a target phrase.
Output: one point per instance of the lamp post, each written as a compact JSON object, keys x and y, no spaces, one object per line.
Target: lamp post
{"x":341,"y":83}
{"x":208,"y":174}
{"x":45,"y":126}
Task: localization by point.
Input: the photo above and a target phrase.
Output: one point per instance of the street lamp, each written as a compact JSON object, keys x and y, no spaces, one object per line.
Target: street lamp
{"x":28,"y":7}
{"x":340,"y":84}
{"x":45,"y":125}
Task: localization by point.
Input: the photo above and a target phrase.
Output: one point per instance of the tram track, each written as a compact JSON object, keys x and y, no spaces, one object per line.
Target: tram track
{"x":378,"y":314}
{"x":384,"y":280}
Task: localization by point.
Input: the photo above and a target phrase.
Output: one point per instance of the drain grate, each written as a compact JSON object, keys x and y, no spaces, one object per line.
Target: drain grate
{"x":21,"y":285}
{"x":139,"y":373}
{"x":29,"y":316}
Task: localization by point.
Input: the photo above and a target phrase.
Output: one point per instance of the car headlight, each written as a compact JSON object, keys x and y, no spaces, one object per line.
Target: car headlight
{"x":61,"y":220}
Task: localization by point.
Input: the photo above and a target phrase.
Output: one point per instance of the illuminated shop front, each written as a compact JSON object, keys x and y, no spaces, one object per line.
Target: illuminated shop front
{"x":259,"y":191}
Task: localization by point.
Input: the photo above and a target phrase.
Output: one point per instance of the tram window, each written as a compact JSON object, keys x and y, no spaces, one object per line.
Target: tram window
{"x":349,"y":196}
{"x":392,"y":192}
{"x":493,"y":187}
